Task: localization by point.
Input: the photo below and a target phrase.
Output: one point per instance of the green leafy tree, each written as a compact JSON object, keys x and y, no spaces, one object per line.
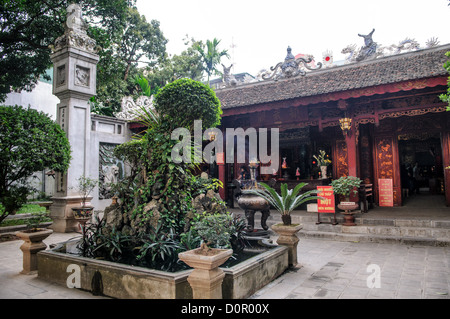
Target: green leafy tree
{"x":141,"y":39}
{"x":29,"y":27}
{"x":30,"y":141}
{"x":446,"y":97}
{"x":187,"y":64}
{"x":211,"y":56}
{"x":139,"y":42}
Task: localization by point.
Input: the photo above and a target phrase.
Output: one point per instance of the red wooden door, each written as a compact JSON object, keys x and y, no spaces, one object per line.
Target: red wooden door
{"x":387,"y":165}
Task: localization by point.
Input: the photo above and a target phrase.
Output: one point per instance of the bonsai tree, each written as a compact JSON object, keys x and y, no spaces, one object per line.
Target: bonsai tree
{"x":215,"y":230}
{"x":30,"y":141}
{"x":346,"y":185}
{"x":36,"y":220}
{"x":287,"y":201}
{"x":85,"y":186}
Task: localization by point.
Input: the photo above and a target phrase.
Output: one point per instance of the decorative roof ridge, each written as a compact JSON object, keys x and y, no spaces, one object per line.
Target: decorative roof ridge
{"x":342,"y":67}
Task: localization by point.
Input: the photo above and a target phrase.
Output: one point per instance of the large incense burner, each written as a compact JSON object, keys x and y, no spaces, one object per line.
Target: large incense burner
{"x":252,"y":203}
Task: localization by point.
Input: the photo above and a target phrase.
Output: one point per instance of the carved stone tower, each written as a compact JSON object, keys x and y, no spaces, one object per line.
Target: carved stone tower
{"x":74,"y":83}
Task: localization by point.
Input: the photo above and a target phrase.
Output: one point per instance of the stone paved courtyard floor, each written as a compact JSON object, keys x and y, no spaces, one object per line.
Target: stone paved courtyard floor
{"x":329,"y":270}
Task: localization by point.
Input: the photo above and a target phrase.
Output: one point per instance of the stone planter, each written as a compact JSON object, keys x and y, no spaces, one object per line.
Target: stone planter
{"x":206,"y":278}
{"x":288,"y":237}
{"x":31,"y":246}
{"x":348,"y":208}
{"x":124,"y":281}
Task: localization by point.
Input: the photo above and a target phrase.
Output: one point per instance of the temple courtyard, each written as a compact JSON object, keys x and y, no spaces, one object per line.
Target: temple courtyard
{"x":328,"y":268}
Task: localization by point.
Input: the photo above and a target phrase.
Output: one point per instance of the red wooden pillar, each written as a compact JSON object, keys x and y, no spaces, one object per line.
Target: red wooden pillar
{"x":350,"y":140}
{"x":446,"y":163}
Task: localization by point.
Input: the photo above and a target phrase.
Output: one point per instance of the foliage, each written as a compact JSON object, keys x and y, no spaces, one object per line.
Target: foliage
{"x":446,"y":97}
{"x":3,"y":212}
{"x":141,"y":39}
{"x":155,"y":249}
{"x":322,"y":159}
{"x":29,"y":27}
{"x":158,"y":248}
{"x":287,"y":201}
{"x":215,"y":229}
{"x":185,"y":65}
{"x":345,"y":185}
{"x":202,"y":186}
{"x":184,"y":101}
{"x":29,"y":142}
{"x":85,"y":186}
{"x":36,"y":219}
{"x":190,"y":240}
{"x":211,"y":57}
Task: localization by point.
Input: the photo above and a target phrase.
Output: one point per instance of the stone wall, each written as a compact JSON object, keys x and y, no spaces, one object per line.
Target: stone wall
{"x":106,"y":133}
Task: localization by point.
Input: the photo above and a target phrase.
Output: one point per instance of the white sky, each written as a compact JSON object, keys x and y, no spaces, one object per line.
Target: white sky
{"x":262,"y":30}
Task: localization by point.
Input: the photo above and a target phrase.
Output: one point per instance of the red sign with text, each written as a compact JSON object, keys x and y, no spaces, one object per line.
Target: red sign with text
{"x":325,"y":205}
{"x":386,"y":192}
{"x":220,"y":158}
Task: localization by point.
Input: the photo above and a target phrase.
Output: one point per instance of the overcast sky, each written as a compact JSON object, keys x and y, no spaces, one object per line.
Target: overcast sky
{"x":262,"y":30}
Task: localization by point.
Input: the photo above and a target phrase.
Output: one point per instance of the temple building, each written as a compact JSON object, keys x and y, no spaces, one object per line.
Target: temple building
{"x":377,"y":118}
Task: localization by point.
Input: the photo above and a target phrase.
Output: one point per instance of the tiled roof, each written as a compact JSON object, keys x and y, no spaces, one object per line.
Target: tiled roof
{"x":415,"y":65}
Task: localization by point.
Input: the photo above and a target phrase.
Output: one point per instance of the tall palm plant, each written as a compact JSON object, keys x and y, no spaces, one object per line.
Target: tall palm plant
{"x":211,"y":57}
{"x":287,"y":201}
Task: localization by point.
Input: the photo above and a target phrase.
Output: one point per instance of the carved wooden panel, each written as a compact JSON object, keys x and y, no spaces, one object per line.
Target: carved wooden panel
{"x":340,"y":159}
{"x":387,"y":165}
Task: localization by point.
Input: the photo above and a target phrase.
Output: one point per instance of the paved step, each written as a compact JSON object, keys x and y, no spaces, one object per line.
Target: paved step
{"x":382,"y":230}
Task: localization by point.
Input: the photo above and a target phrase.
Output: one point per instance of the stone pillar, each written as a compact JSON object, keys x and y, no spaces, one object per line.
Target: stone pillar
{"x":74,"y":83}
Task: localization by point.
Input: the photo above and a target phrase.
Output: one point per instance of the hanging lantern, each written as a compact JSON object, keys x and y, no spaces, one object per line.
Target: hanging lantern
{"x":346,"y":124}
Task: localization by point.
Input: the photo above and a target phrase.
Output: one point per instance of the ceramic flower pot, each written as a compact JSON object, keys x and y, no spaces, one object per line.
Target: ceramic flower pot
{"x":206,"y":278}
{"x":323,"y":170}
{"x":82,"y":213}
{"x":31,"y":246}
{"x":288,"y":237}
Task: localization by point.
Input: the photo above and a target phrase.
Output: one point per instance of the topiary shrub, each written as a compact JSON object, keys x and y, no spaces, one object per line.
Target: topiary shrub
{"x":186,"y":100}
{"x":30,"y":141}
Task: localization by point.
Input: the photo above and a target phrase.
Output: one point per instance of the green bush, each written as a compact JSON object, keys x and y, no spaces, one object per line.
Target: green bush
{"x":215,"y":229}
{"x":30,"y":141}
{"x":185,"y":100}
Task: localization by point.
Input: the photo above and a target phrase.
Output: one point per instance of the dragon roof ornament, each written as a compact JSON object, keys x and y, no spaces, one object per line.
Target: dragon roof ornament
{"x":371,"y":50}
{"x":291,"y":67}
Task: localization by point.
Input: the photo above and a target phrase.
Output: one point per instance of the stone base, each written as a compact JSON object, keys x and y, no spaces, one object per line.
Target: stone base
{"x":288,"y":237}
{"x":31,"y":246}
{"x":62,"y":215}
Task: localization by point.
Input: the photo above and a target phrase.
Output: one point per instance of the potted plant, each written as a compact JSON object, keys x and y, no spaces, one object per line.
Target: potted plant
{"x":33,"y":237}
{"x":285,"y":204}
{"x":85,"y":186}
{"x":345,"y":186}
{"x":323,"y":161}
{"x":206,"y":278}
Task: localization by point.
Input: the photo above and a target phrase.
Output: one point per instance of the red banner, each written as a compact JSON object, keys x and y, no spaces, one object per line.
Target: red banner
{"x":386,"y":191}
{"x":325,"y":205}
